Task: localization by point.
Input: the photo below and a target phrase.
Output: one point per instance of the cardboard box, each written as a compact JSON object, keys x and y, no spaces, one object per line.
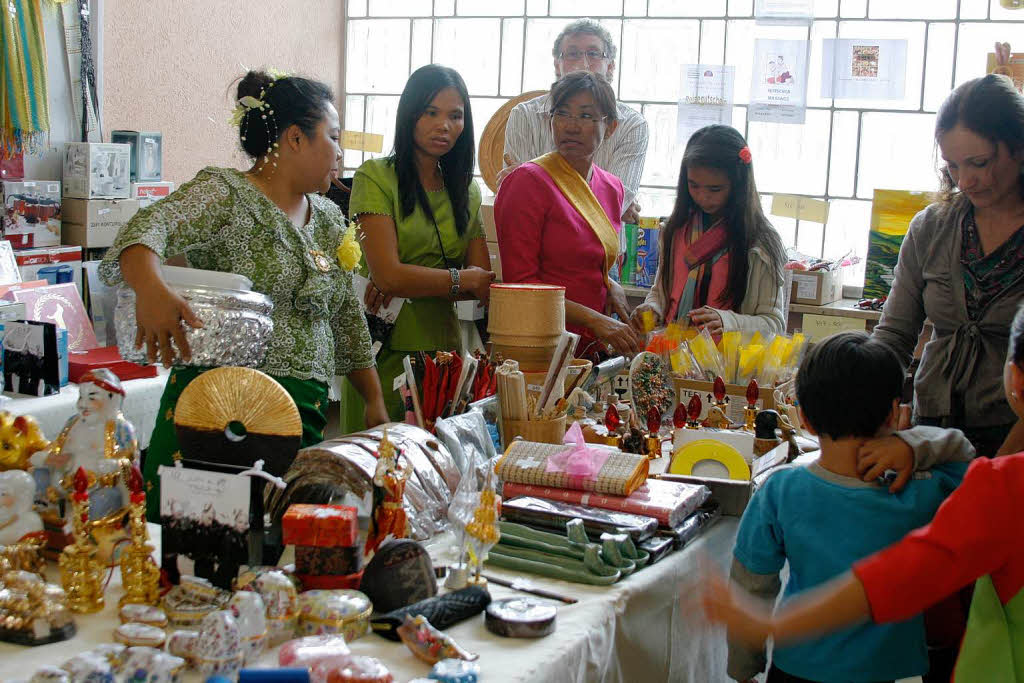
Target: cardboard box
{"x":469,"y":310}
{"x":627,"y":259}
{"x":32,"y":213}
{"x":487,"y":216}
{"x":149,"y":193}
{"x":734,"y":393}
{"x":734,"y":494}
{"x":492,"y":249}
{"x":648,"y":247}
{"x":56,"y":265}
{"x":94,"y":223}
{"x":147,"y":153}
{"x":11,"y":310}
{"x":818,"y":287}
{"x":97,"y":170}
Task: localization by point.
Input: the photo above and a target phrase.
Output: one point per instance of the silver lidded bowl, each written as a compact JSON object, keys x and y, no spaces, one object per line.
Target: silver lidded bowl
{"x":236,"y":323}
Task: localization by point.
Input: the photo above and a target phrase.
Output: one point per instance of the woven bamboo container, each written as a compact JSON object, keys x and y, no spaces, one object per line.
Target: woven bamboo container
{"x":526,"y":315}
{"x":540,"y":431}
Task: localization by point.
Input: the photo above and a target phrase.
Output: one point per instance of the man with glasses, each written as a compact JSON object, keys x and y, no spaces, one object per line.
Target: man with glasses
{"x":583,"y":45}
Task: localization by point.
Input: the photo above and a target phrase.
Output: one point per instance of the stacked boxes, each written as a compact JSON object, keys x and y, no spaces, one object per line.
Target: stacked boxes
{"x":97,"y":170}
{"x":327,"y":554}
{"x":147,"y":153}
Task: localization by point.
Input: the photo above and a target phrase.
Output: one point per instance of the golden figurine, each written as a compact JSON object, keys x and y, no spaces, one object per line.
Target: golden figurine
{"x":81,"y":572}
{"x":140,"y":576}
{"x":482,"y":531}
{"x":20,"y":438}
{"x":32,"y":612}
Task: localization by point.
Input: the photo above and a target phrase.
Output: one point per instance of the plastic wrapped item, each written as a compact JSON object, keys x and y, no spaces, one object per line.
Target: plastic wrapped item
{"x":705,"y":351}
{"x":356,"y":670}
{"x":311,"y":650}
{"x":455,"y":671}
{"x":554,"y":515}
{"x":729,"y":347}
{"x":467,"y":440}
{"x":442,"y":611}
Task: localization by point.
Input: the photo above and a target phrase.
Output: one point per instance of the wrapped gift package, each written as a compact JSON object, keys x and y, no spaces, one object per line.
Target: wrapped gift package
{"x":526,"y":462}
{"x":330,"y":581}
{"x":669,"y":502}
{"x":32,"y":213}
{"x":97,"y":170}
{"x":147,"y":153}
{"x":57,"y":265}
{"x":94,"y":223}
{"x":324,"y":526}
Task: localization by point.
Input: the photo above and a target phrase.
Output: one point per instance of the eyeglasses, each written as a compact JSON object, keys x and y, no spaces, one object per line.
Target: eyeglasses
{"x":562,"y":117}
{"x":574,"y":55}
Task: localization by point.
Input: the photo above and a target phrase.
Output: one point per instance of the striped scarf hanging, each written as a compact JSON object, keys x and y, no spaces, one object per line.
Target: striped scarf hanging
{"x":24,"y":109}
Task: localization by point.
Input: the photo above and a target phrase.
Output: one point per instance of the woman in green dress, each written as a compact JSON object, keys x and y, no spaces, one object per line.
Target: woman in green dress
{"x":270,"y":225}
{"x":419,"y":213}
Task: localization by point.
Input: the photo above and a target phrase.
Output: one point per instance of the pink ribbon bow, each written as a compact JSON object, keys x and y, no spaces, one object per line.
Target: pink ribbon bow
{"x":578,"y":461}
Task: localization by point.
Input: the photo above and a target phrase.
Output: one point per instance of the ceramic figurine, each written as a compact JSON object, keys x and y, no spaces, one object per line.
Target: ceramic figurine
{"x":251,"y":615}
{"x":20,"y":438}
{"x":97,"y":439}
{"x":718,"y":411}
{"x":388,"y":490}
{"x":17,"y":518}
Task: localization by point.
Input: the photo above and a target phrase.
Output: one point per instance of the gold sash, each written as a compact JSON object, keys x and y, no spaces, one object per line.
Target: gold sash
{"x":575,"y":188}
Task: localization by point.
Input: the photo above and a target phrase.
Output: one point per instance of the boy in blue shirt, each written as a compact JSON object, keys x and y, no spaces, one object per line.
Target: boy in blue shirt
{"x":823,"y":517}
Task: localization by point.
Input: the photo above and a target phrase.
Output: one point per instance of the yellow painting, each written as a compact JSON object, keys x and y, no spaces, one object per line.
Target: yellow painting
{"x":891,"y":211}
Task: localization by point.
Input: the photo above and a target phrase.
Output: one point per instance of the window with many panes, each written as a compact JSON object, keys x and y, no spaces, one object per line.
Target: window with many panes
{"x":843,"y":152}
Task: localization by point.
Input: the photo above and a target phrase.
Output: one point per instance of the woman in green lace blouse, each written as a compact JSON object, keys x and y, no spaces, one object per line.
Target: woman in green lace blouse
{"x":419,"y":211}
{"x":269,"y":225}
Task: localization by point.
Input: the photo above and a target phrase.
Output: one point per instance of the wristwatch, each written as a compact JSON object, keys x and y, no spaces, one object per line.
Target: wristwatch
{"x":454,"y":272}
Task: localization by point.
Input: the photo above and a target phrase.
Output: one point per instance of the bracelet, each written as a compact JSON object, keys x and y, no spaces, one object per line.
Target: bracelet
{"x":456,"y":279}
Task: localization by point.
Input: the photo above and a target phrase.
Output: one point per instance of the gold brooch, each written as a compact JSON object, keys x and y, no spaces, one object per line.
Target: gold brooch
{"x":320,"y":260}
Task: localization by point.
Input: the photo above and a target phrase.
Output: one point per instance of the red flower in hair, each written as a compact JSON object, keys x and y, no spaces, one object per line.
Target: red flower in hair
{"x":745,"y":156}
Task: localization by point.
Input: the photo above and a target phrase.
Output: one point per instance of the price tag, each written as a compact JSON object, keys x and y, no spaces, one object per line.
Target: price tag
{"x":819,"y":327}
{"x":365,"y":142}
{"x":802,"y":208}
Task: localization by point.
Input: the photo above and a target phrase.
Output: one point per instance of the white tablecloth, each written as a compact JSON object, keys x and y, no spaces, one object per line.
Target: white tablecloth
{"x":635,"y":630}
{"x":142,"y":400}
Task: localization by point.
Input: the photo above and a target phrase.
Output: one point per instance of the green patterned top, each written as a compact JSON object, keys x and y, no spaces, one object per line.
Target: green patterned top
{"x":221,"y":221}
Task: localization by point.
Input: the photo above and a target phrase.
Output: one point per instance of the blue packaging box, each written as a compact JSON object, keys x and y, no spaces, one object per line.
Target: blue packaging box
{"x":648,"y":246}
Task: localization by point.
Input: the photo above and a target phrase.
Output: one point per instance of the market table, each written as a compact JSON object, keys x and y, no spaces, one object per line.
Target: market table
{"x":635,"y":630}
{"x":142,"y":400}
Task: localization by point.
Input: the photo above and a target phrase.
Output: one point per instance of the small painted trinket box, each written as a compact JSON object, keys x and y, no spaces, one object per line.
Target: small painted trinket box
{"x":346,"y":612}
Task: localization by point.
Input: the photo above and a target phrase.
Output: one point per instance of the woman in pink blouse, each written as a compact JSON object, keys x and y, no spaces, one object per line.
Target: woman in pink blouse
{"x":557,"y":217}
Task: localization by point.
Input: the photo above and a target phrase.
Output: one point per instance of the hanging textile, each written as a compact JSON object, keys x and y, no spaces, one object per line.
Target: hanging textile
{"x":24,"y":110}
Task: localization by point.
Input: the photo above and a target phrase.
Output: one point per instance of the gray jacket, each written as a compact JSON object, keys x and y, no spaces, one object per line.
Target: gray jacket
{"x":962,"y":364}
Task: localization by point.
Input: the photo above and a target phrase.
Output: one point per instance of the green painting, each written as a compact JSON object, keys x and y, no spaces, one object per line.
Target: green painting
{"x":891,"y":212}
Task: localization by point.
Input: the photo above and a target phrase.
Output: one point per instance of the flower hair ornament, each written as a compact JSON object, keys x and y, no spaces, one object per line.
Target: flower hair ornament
{"x":745,"y":156}
{"x":249,"y":106}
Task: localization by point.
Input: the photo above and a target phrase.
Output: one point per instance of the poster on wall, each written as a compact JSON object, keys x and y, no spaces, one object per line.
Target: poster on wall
{"x":891,"y":213}
{"x":705,"y":97}
{"x":784,"y":11}
{"x":854,"y":68}
{"x":778,"y":81}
